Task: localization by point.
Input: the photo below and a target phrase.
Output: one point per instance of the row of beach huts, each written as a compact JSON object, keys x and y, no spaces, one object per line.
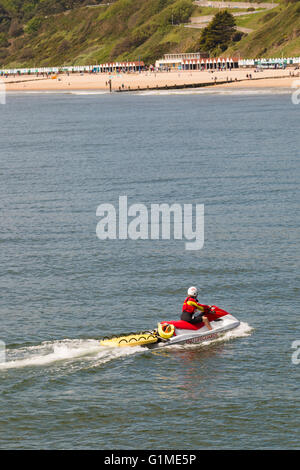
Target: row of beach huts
{"x":188,"y":61}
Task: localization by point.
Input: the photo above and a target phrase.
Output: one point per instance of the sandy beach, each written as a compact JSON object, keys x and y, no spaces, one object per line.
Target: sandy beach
{"x":144,"y":80}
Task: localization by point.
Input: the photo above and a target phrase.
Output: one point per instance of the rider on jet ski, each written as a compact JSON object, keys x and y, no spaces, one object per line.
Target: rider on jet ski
{"x":191,"y":307}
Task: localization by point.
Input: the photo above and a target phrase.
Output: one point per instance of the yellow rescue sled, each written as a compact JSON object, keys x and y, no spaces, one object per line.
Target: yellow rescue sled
{"x":135,"y":339}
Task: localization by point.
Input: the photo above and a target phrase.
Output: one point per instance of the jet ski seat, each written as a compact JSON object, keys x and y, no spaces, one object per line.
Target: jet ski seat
{"x":185,"y":325}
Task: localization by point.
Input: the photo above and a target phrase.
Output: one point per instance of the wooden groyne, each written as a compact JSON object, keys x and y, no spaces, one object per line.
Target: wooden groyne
{"x":172,"y":87}
{"x":190,"y":85}
{"x":27,"y":80}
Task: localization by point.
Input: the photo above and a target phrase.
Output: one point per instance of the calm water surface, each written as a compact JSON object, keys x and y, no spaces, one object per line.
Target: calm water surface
{"x":62,"y":288}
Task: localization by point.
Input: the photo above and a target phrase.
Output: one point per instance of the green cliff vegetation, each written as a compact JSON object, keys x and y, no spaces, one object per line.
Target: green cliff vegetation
{"x":276,"y":33}
{"x":58,"y":32}
{"x":123,"y":30}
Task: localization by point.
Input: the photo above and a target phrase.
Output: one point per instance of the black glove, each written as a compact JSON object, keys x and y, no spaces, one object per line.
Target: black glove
{"x":197,"y":315}
{"x":212,"y":309}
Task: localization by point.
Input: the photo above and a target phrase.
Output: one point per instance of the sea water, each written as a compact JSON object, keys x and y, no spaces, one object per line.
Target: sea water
{"x":62,"y":289}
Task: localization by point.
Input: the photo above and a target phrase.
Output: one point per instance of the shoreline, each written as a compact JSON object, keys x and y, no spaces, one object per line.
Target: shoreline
{"x":151,"y":81}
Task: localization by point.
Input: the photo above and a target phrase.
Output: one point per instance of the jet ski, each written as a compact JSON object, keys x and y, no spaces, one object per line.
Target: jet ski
{"x":178,"y":332}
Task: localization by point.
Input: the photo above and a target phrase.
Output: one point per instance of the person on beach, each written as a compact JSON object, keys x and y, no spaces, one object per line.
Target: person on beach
{"x":191,"y":307}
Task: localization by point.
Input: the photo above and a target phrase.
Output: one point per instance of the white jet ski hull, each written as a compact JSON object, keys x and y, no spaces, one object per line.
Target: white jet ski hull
{"x":186,"y":336}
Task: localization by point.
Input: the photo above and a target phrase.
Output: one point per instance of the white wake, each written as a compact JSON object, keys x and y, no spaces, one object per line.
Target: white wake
{"x":67,"y":350}
{"x":89,"y":353}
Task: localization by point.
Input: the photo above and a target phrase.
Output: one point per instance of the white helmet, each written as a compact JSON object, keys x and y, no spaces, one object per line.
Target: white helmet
{"x":193,"y":291}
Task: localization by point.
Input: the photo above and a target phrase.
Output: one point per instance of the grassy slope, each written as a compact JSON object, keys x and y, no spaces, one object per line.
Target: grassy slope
{"x":276,"y":33}
{"x":125,"y":30}
{"x":129,"y":29}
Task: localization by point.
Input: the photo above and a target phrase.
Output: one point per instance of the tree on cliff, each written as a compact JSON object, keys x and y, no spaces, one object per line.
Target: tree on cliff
{"x":218,"y":33}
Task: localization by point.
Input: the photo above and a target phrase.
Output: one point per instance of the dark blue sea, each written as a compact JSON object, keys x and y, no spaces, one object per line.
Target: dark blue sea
{"x":62,"y":288}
